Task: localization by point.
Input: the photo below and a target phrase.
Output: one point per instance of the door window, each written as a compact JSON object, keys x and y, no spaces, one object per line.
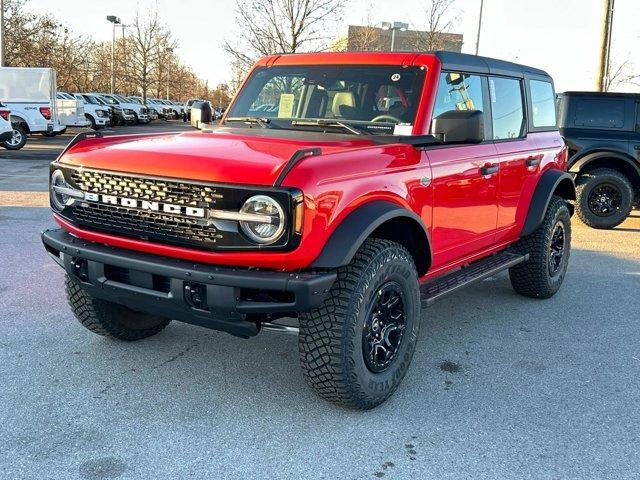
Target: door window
{"x":458,"y":91}
{"x":507,"y":110}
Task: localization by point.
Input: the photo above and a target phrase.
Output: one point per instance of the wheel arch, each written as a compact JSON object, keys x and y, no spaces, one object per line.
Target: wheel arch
{"x":19,"y":119}
{"x":552,"y":182}
{"x":618,"y":161}
{"x":380,"y":219}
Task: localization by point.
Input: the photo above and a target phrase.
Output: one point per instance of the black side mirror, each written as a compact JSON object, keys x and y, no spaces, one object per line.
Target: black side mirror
{"x":459,"y":126}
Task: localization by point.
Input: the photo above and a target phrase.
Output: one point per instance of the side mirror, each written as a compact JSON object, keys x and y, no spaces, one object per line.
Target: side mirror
{"x":459,"y":126}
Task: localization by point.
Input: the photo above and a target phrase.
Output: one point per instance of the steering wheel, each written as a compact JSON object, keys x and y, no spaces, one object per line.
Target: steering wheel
{"x":382,"y":118}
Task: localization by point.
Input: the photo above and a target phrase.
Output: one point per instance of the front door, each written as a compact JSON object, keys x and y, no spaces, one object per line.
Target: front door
{"x":465,"y":178}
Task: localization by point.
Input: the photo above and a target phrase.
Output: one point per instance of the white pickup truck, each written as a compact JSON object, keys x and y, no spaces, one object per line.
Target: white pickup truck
{"x":96,"y":112}
{"x":30,"y":94}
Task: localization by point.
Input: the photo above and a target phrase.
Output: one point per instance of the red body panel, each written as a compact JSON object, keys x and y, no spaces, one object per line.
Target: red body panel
{"x":468,"y":214}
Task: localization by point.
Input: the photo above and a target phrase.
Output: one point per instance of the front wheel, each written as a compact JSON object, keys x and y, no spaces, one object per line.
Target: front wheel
{"x":17,"y":140}
{"x":110,"y":319}
{"x":92,"y":121}
{"x":549,"y":247}
{"x":356,"y":348}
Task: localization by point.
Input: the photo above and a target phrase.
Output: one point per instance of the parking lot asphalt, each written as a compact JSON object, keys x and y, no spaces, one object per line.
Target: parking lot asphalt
{"x":500,"y":387}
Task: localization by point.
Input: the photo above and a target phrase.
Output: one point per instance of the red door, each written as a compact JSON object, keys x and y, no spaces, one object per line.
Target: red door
{"x":465,"y":200}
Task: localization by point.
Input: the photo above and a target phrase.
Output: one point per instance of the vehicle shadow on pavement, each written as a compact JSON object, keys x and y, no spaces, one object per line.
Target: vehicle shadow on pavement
{"x":492,"y":369}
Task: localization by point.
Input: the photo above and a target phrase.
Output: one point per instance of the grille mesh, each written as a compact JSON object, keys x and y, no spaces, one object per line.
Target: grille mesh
{"x":177,"y":229}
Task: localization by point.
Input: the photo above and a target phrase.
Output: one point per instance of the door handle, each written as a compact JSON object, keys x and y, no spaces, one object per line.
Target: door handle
{"x":489,"y":169}
{"x":532,"y":161}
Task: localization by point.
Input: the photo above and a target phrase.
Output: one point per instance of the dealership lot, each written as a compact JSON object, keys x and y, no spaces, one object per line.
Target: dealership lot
{"x":501,"y":386}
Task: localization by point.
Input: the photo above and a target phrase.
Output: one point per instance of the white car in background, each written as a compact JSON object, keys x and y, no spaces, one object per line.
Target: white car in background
{"x":131,"y":112}
{"x":11,"y":137}
{"x":30,"y":94}
{"x":154,"y":111}
{"x":97,"y":113}
{"x":70,"y":110}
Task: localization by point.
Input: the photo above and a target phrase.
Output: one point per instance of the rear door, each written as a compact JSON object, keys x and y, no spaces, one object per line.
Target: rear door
{"x":634,"y":143}
{"x":465,"y":178}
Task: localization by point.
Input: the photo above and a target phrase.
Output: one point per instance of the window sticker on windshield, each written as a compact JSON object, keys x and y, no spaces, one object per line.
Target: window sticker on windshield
{"x":395,"y":77}
{"x":403,"y":129}
{"x":285,"y":107}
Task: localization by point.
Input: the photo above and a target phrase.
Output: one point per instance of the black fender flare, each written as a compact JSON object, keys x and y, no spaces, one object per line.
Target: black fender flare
{"x":357,"y":226}
{"x":585,"y":159}
{"x":549,"y":183}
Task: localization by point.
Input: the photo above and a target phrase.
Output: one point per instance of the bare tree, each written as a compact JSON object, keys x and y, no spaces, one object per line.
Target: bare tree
{"x":150,"y":40}
{"x":281,"y":26}
{"x":620,"y":75}
{"x":440,"y":19}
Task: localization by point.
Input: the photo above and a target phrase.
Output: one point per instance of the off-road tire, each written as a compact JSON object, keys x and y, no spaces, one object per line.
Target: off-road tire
{"x":331,"y":343}
{"x":587,"y":182}
{"x":17,"y":130}
{"x":533,"y":277}
{"x":110,"y":319}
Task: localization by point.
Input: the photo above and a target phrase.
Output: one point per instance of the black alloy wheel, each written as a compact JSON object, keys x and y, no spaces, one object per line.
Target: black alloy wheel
{"x":384,"y":328}
{"x":605,"y":200}
{"x":556,"y":249}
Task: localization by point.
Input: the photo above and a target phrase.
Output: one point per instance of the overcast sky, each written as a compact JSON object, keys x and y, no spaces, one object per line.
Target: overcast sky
{"x":559,"y":36}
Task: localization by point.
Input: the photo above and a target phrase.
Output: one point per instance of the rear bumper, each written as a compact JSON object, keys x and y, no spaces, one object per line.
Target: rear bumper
{"x":202,"y":294}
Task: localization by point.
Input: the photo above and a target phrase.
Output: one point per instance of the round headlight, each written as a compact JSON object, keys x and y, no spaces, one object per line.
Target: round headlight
{"x":59,"y":200}
{"x":265,"y":221}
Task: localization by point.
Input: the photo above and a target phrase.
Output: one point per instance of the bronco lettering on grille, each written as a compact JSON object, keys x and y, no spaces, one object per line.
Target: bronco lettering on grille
{"x":145,"y":205}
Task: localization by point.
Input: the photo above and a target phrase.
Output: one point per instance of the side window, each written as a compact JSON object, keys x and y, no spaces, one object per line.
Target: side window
{"x":543,"y":107}
{"x":599,"y":113}
{"x":458,"y":91}
{"x":506,"y":108}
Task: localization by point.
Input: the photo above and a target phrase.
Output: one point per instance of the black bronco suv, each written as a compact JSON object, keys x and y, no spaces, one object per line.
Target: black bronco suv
{"x":602,"y":132}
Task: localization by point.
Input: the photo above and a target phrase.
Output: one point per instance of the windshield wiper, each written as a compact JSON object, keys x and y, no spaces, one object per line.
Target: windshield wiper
{"x":329,"y":123}
{"x":263,"y":122}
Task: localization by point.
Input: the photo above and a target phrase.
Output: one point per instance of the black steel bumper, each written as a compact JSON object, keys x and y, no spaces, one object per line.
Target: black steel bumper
{"x":206,"y":295}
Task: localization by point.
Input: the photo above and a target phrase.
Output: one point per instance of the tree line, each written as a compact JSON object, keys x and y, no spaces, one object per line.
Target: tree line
{"x":145,"y":59}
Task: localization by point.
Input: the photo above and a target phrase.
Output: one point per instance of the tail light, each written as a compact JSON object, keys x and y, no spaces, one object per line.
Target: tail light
{"x":46,"y":112}
{"x":5,"y":114}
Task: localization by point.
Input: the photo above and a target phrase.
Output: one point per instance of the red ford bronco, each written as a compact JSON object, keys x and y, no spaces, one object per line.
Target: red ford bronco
{"x":344,"y":190}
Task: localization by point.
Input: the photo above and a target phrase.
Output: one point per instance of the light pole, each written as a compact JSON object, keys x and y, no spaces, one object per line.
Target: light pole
{"x":605,"y":46}
{"x":403,"y":27}
{"x":479,"y":27}
{"x":115,"y":21}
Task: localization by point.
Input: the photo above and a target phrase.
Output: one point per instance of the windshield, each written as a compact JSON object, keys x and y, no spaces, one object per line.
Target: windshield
{"x":122,"y":99}
{"x":378,"y":99}
{"x":110,"y":100}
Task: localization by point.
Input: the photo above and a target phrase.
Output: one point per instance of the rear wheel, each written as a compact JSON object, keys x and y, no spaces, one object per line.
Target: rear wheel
{"x":356,"y":349}
{"x":110,"y":319}
{"x":604,"y":198}
{"x":549,"y":248}
{"x":17,"y":140}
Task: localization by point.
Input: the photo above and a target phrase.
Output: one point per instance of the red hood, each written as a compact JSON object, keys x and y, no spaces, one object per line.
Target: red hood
{"x":223,"y":157}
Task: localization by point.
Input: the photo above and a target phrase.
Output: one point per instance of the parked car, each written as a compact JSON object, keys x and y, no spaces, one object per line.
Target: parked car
{"x":345,"y":216}
{"x":602,"y":131}
{"x":12,"y":137}
{"x":123,"y":115}
{"x":71,"y":110}
{"x":187,"y":108}
{"x":29,"y":94}
{"x":153,"y":110}
{"x":96,"y":111}
{"x":132,"y":112}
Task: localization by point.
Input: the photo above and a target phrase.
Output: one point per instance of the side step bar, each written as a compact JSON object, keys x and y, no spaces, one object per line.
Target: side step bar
{"x":438,"y":288}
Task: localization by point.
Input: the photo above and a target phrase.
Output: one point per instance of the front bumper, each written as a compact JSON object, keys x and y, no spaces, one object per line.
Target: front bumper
{"x":226,"y":299}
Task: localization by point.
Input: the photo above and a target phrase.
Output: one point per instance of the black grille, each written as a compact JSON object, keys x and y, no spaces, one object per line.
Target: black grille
{"x":177,"y":229}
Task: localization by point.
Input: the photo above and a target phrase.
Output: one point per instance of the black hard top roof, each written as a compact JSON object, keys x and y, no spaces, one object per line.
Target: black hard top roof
{"x":601,"y":94}
{"x":476,"y":64}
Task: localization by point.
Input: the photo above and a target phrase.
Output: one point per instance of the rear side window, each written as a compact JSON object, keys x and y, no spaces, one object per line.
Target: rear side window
{"x":507,"y":110}
{"x":599,"y":113}
{"x":543,"y":105}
